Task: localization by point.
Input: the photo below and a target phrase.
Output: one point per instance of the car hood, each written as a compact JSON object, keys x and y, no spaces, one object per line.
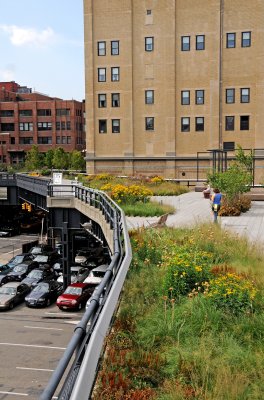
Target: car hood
{"x":14,"y":273}
{"x":35,"y":296}
{"x":30,"y":281}
{"x":68,"y":297}
{"x":4,"y":298}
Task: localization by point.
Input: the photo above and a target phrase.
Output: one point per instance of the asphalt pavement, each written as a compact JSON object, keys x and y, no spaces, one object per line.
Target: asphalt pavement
{"x":193,"y":209}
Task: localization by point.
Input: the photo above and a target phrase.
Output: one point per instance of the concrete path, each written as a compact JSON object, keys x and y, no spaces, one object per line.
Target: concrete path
{"x":192,"y":208}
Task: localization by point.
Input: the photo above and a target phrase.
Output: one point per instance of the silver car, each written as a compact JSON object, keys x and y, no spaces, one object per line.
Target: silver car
{"x":12,"y":293}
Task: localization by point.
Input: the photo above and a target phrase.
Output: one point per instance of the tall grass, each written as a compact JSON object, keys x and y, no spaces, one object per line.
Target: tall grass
{"x":194,"y":349}
{"x":149,"y":209}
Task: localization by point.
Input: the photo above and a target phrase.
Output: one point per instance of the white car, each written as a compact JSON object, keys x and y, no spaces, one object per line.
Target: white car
{"x":78,"y":274}
{"x":96,"y":275}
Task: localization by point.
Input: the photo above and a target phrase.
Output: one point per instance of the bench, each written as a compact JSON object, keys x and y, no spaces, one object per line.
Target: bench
{"x":160,"y":223}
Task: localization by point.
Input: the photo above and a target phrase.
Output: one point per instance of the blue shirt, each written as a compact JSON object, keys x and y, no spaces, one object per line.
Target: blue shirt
{"x":217,"y":198}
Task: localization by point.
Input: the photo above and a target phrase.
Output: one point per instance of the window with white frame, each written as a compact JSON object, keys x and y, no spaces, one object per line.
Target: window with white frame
{"x":230,"y":96}
{"x":115,"y":125}
{"x":101,"y":74}
{"x":149,"y":43}
{"x":45,"y":140}
{"x":185,"y":43}
{"x":115,"y":99}
{"x":101,"y":48}
{"x":200,"y":42}
{"x":115,"y":47}
{"x":102,"y":100}
{"x":246,"y":39}
{"x":115,"y":74}
{"x":185,"y":97}
{"x":185,"y":124}
{"x":230,"y":40}
{"x":149,"y":96}
{"x":244,"y":95}
{"x":44,"y":126}
{"x":199,"y":96}
{"x":26,"y":126}
{"x":149,"y":123}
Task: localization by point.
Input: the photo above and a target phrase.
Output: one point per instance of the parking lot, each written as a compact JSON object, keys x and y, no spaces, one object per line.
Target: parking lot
{"x":32,"y":341}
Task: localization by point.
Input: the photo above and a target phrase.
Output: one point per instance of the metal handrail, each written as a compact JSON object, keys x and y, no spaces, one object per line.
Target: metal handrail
{"x":88,"y":338}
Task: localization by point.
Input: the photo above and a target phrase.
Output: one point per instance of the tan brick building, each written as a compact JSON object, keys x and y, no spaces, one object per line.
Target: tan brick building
{"x":166,"y":79}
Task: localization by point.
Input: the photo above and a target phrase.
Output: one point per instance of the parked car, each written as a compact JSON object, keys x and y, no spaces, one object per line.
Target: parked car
{"x":44,"y":294}
{"x":19,"y":259}
{"x":4,"y":270}
{"x":12,"y":293}
{"x":39,"y":274}
{"x":20,"y":271}
{"x":7,"y":230}
{"x":78,"y":274}
{"x":93,"y":293}
{"x":47,"y":258}
{"x":96,"y":275}
{"x":81,"y":256}
{"x":42,"y":249}
{"x":75,"y":296}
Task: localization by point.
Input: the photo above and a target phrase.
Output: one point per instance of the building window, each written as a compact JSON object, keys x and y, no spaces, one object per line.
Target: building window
{"x":25,"y":113}
{"x":63,"y":140}
{"x":45,"y":140}
{"x":199,"y":124}
{"x":68,"y":125}
{"x":58,"y":125}
{"x":244,"y":95}
{"x":68,"y":139}
{"x":12,"y":140}
{"x":63,"y":112}
{"x":114,"y":74}
{"x":115,"y":125}
{"x":102,"y":126}
{"x":26,"y":140}
{"x":44,"y":113}
{"x":149,"y":12}
{"x":200,"y":42}
{"x":102,"y":100}
{"x":149,"y":43}
{"x":101,"y":74}
{"x":229,"y":123}
{"x":199,"y":97}
{"x":101,"y":48}
{"x":149,"y":96}
{"x":63,"y":125}
{"x":244,"y":122}
{"x":44,"y":126}
{"x":58,"y":140}
{"x":115,"y":100}
{"x":185,"y":43}
{"x":115,"y":48}
{"x":230,"y":40}
{"x":185,"y":124}
{"x":246,"y":39}
{"x":8,"y":127}
{"x":230,"y":96}
{"x":6,"y":113}
{"x":185,"y":97}
{"x":228,"y":146}
{"x":26,"y":126}
{"x":149,"y":121}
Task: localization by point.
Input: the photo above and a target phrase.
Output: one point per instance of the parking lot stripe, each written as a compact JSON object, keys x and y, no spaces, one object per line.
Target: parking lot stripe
{"x":42,"y":327}
{"x":61,"y":314}
{"x":33,"y":345}
{"x":36,"y":369}
{"x":14,"y":393}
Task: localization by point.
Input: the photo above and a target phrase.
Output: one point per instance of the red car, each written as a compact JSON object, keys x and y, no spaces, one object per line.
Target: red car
{"x":75,"y":296}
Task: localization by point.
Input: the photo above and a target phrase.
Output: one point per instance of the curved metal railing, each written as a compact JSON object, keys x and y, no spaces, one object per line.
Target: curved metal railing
{"x":88,"y":338}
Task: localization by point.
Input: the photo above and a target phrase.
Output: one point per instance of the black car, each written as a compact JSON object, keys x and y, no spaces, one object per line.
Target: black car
{"x":19,"y":259}
{"x":42,"y":249}
{"x":4,"y":270}
{"x":44,"y":294}
{"x":47,"y":258}
{"x":39,"y":274}
{"x":8,"y":230}
{"x":20,"y":271}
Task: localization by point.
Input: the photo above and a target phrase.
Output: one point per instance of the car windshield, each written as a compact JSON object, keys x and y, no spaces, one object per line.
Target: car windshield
{"x":17,"y":260}
{"x":73,"y":290}
{"x":98,"y":274}
{"x":41,"y":287}
{"x":20,"y":268}
{"x":35,"y":274}
{"x":41,"y":258}
{"x":8,"y":291}
{"x":36,"y":250}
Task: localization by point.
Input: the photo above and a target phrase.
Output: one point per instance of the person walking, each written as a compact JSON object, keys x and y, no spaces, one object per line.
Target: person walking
{"x":216,"y":202}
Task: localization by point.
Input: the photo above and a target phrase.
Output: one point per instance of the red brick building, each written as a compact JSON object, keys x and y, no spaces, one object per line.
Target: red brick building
{"x":28,"y":118}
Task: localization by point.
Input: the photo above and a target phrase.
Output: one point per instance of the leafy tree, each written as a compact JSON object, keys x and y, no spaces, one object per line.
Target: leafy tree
{"x":237,"y":179}
{"x":34,"y":159}
{"x":77,"y":162}
{"x":60,"y":159}
{"x":49,"y":158}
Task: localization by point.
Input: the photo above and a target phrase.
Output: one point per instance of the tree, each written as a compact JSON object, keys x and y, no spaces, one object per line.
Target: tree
{"x":34,"y":159}
{"x":77,"y":162}
{"x":49,"y":158}
{"x":60,"y":159}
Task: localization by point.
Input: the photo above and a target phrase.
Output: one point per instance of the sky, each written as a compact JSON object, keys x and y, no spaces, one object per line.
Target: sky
{"x":42,"y":46}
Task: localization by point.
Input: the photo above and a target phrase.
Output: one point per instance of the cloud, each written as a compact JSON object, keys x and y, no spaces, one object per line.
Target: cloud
{"x":20,"y":36}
